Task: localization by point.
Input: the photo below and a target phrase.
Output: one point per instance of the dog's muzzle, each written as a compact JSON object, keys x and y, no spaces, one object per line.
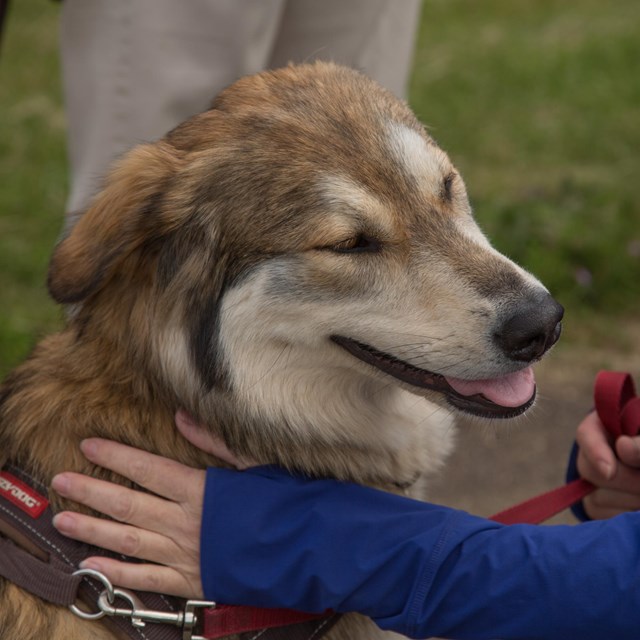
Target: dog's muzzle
{"x":524,"y":337}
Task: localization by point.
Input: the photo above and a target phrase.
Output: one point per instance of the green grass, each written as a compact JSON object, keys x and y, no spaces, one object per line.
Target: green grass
{"x":535,"y":100}
{"x":33,"y":174}
{"x":538,"y":102}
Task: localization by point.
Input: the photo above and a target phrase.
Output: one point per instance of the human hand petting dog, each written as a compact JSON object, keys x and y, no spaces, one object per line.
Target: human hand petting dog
{"x":617,"y":478}
{"x":163,"y":529}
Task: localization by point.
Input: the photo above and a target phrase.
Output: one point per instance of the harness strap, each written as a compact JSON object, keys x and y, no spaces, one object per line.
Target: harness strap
{"x":34,"y":555}
{"x":52,"y":581}
{"x":619,"y":411}
{"x":37,"y":558}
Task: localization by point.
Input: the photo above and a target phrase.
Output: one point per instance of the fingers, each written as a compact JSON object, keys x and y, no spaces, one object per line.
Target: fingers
{"x":145,"y":577}
{"x":628,"y":450}
{"x":597,"y":461}
{"x":624,"y":478}
{"x":595,"y":448}
{"x":180,"y":578}
{"x":617,"y":479}
{"x":130,"y":541}
{"x":614,"y":500}
{"x":160,"y":475}
{"x":199,"y":436}
{"x":205,"y":440}
{"x":164,"y":531}
{"x":133,"y":507}
{"x":606,"y":503}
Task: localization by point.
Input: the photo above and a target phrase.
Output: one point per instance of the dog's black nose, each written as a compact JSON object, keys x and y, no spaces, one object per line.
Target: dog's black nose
{"x":532,"y":329}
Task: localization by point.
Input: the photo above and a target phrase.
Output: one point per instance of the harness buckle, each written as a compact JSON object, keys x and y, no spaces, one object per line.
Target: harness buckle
{"x":138,"y":613}
{"x":191,"y":620}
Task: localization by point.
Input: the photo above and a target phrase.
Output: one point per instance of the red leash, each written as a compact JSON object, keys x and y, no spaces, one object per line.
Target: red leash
{"x":616,"y":404}
{"x":619,"y":411}
{"x":225,"y":620}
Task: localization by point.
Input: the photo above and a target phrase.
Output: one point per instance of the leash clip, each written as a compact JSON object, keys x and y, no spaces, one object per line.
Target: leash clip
{"x":138,"y":613}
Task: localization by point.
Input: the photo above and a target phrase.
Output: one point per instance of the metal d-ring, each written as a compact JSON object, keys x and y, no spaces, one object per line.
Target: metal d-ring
{"x":108,"y":590}
{"x":137,"y":613}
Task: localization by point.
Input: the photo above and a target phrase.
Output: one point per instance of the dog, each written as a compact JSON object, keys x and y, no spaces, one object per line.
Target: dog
{"x":298,"y":267}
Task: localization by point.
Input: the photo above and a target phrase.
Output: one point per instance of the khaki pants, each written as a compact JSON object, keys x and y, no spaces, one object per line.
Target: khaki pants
{"x":133,"y":69}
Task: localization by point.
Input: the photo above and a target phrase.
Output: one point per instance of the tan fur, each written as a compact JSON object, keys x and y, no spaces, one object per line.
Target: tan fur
{"x":203,"y":277}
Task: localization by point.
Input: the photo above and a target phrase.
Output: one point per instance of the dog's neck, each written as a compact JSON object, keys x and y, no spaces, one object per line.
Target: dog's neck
{"x":63,"y":393}
{"x":320,"y":422}
{"x":312,"y":413}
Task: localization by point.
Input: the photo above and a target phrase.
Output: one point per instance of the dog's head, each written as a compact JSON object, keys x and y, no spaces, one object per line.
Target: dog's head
{"x":305,"y":233}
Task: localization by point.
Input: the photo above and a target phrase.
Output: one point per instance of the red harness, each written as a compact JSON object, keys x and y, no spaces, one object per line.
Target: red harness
{"x":37,"y":558}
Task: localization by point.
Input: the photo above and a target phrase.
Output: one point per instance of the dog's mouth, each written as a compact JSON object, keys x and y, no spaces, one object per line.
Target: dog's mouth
{"x":505,"y":397}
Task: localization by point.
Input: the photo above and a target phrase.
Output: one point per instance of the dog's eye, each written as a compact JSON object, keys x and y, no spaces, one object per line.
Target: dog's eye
{"x":356,"y":244}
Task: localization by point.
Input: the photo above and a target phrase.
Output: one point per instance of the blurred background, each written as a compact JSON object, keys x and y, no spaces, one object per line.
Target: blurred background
{"x":538,"y":104}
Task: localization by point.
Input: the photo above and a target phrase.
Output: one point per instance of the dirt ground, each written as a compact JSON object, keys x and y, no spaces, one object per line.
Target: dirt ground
{"x":497,"y":465}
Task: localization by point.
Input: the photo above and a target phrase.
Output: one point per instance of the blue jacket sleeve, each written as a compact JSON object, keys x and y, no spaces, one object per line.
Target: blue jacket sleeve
{"x":273,"y":540}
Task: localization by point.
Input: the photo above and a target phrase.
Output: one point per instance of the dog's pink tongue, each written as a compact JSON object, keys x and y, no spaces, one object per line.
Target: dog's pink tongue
{"x":512,"y":390}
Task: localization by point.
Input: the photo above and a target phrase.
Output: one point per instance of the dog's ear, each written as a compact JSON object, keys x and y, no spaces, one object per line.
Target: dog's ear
{"x":113,"y":225}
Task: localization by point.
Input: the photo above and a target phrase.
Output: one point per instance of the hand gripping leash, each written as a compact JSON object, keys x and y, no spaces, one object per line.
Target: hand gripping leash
{"x":618,"y":408}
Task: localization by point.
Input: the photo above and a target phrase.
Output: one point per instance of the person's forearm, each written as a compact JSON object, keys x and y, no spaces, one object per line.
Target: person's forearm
{"x":415,"y":568}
